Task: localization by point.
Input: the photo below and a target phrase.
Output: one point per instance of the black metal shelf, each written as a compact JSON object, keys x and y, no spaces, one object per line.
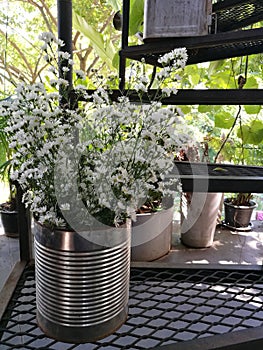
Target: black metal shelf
{"x":227,"y":38}
{"x":169,"y":308}
{"x":203,"y":177}
{"x":236,"y":14}
{"x":197,"y":97}
{"x":206,"y":48}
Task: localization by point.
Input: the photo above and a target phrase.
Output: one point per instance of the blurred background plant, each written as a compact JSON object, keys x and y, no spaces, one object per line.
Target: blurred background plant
{"x":8,"y":190}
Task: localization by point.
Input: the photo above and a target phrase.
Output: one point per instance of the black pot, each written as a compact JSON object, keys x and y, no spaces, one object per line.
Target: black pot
{"x":238,"y":216}
{"x":10,"y":222}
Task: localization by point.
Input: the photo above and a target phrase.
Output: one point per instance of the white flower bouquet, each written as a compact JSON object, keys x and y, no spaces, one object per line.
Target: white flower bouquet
{"x":97,"y":161}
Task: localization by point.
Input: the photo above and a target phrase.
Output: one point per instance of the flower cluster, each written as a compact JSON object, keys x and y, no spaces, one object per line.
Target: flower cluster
{"x":98,"y":161}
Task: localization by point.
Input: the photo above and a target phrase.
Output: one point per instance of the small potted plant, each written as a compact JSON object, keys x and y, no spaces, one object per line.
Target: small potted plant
{"x":238,"y":211}
{"x":9,"y":214}
{"x":8,"y":210}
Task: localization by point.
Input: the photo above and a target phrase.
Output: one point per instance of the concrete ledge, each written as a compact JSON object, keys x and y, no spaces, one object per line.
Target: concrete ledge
{"x":10,"y":285}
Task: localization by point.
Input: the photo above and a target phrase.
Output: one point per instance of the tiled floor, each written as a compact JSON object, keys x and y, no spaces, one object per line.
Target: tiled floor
{"x":229,"y":247}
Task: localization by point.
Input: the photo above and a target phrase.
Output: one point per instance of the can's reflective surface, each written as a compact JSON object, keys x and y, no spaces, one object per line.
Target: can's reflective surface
{"x":82,"y":295}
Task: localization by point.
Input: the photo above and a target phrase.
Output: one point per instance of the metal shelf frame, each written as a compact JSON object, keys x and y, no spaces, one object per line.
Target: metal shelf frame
{"x":225,"y":43}
{"x":170,"y":308}
{"x":18,"y":328}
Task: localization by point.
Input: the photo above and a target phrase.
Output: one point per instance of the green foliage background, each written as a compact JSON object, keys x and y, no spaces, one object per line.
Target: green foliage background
{"x":96,"y":44}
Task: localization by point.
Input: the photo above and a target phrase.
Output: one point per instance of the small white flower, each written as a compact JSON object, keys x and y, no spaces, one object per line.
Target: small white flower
{"x":65,"y":206}
{"x":80,"y":74}
{"x":65,"y":69}
{"x":140,"y":87}
{"x":64,"y":55}
{"x":166,"y":91}
{"x":121,"y":151}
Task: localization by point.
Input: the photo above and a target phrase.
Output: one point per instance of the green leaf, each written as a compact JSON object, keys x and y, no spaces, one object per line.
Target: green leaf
{"x":185,"y":109}
{"x":136,"y":16}
{"x":211,"y":109}
{"x":214,"y":67}
{"x":104,"y":49}
{"x":115,"y":4}
{"x":2,"y":155}
{"x":251,"y":83}
{"x":251,"y":133}
{"x":204,"y":108}
{"x":194,"y":78}
{"x":222,"y":81}
{"x":252,"y":109}
{"x":224,"y":120}
{"x":116,"y":60}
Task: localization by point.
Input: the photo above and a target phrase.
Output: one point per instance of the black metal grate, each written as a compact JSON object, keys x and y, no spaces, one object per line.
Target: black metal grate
{"x":218,"y":170}
{"x":222,"y":51}
{"x":232,"y":15}
{"x":227,"y":38}
{"x":167,"y":306}
{"x":202,"y":177}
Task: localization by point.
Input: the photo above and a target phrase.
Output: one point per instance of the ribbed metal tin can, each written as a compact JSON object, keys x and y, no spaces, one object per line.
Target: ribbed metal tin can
{"x":176,"y":18}
{"x":82,"y":287}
